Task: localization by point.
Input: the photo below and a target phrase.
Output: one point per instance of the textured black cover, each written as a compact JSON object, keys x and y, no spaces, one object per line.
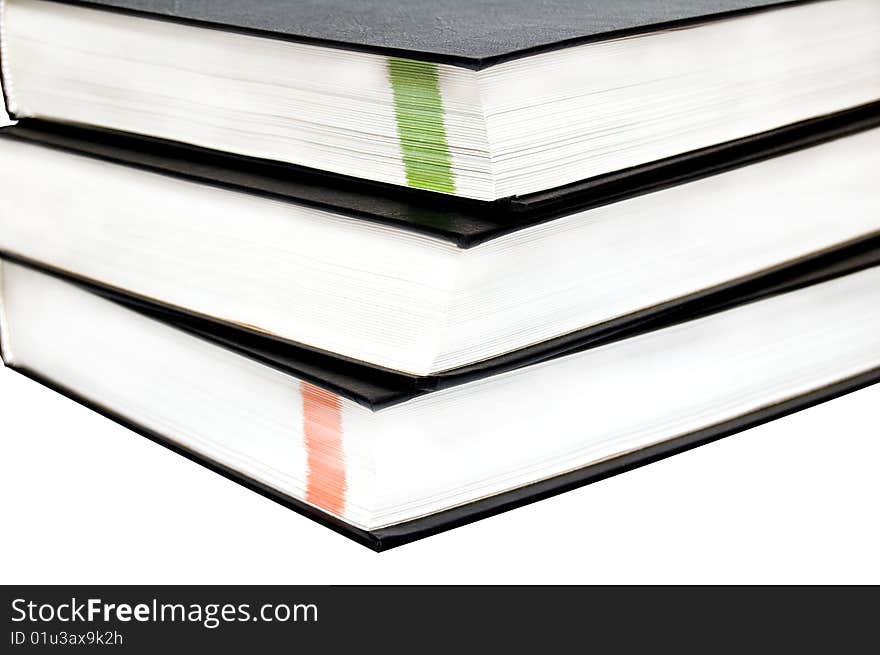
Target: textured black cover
{"x":377,"y":388}
{"x":459,"y":220}
{"x":472,"y":33}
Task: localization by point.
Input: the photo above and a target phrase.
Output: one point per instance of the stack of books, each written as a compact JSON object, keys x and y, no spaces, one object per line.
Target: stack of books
{"x":403,"y":265}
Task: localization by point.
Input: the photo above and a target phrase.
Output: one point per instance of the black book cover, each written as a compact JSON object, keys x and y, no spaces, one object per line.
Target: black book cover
{"x":462,"y":221}
{"x":377,"y":388}
{"x":465,"y":33}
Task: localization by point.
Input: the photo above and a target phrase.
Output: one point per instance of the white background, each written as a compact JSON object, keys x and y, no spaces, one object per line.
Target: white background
{"x":83,"y":500}
{"x":794,"y":501}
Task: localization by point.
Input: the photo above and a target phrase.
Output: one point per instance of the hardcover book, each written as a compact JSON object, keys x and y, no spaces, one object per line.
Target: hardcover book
{"x":400,"y":286}
{"x":421,"y":464}
{"x":403,"y":265}
{"x":476,"y":99}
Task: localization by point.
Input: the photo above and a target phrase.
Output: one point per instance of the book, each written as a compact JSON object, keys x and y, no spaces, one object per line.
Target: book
{"x":421,"y":465}
{"x":477,"y":100}
{"x":398,"y":284}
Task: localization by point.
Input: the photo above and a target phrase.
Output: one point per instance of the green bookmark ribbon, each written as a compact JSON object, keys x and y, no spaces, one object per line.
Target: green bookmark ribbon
{"x":418,"y":108}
